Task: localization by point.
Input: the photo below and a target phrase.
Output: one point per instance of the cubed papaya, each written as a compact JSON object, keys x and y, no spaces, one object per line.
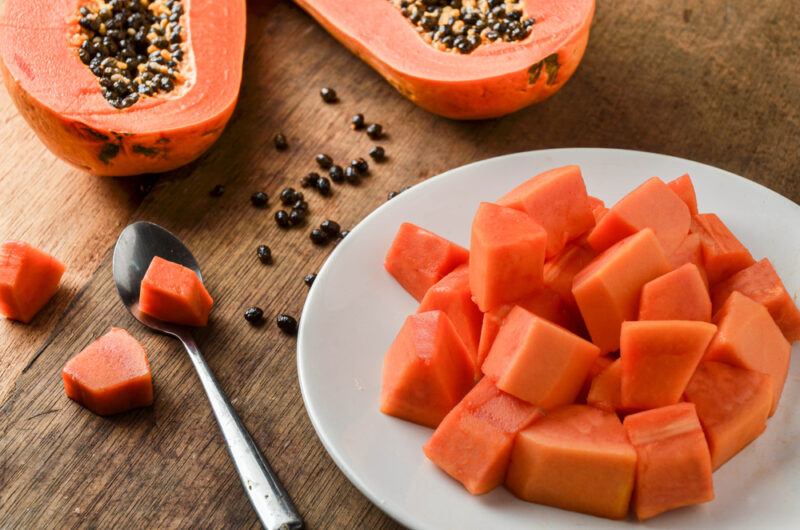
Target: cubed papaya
{"x":658,"y":358}
{"x":761,"y":283}
{"x":677,"y":295}
{"x":507,"y":250}
{"x":557,"y":200}
{"x":689,"y":251}
{"x":426,"y":371}
{"x":684,"y":188}
{"x":560,"y":271}
{"x":605,"y":391}
{"x":538,"y":361}
{"x":723,"y":254}
{"x":652,"y":205}
{"x":473,"y":443}
{"x":674,"y":465}
{"x":174,"y":293}
{"x":451,"y":294}
{"x":600,"y":363}
{"x":575,"y":458}
{"x":29,"y":278}
{"x":419,"y":258}
{"x":608,"y":289}
{"x":733,"y":405}
{"x":747,"y":337}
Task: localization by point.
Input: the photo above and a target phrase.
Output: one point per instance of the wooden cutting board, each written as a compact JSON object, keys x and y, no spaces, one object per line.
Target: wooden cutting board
{"x":712,"y":81}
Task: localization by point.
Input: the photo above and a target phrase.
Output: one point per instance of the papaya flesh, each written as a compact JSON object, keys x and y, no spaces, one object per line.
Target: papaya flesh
{"x":684,"y":188}
{"x":723,"y":254}
{"x":174,"y":293}
{"x":28,"y":279}
{"x":678,"y":295}
{"x":492,"y":80}
{"x":61,"y":98}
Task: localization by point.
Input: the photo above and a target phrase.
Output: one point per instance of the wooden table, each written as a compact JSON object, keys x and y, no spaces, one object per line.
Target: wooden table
{"x":712,"y":81}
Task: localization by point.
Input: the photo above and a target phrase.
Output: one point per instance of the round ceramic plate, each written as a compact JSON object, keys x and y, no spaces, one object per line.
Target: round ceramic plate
{"x":355,"y":309}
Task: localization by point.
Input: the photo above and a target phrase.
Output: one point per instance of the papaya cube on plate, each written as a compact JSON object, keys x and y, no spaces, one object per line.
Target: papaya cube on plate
{"x":451,"y":294}
{"x":607,"y":290}
{"x":733,"y":405}
{"x":560,"y":271}
{"x":538,"y":361}
{"x":723,"y":254}
{"x":677,"y":295}
{"x":426,"y":371}
{"x":747,"y":337}
{"x":600,"y":363}
{"x":174,"y":293}
{"x":605,"y":391}
{"x":419,"y":258}
{"x":684,"y":188}
{"x":689,"y":251}
{"x":598,"y":209}
{"x":761,"y":283}
{"x":658,"y":358}
{"x":576,"y":458}
{"x":557,"y":200}
{"x":652,"y":205}
{"x":674,"y":466}
{"x":506,"y":256}
{"x":473,"y":443}
{"x":28,"y":279}
{"x":111,"y":375}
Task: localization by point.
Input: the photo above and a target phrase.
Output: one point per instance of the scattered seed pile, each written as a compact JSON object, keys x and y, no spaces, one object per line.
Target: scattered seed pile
{"x":463,"y":25}
{"x":134,"y":47}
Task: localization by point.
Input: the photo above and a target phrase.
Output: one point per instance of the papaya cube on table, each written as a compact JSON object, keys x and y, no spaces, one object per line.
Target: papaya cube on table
{"x":419,"y":258}
{"x":174,"y":293}
{"x":576,"y":458}
{"x":473,"y":443}
{"x":747,"y":337}
{"x":674,"y":466}
{"x":677,"y":295}
{"x":652,"y":205}
{"x":658,"y":358}
{"x":452,"y":295}
{"x":761,"y":283}
{"x":426,"y":371}
{"x":684,"y":188}
{"x":608,"y":289}
{"x":111,"y":375}
{"x":723,"y":254}
{"x":733,"y":405}
{"x":557,"y":200}
{"x":28,"y":279}
{"x":506,"y":256}
{"x":538,"y":361}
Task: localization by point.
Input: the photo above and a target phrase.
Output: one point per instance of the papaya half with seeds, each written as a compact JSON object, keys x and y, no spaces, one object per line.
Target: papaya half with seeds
{"x":124,"y":87}
{"x":462,"y":61}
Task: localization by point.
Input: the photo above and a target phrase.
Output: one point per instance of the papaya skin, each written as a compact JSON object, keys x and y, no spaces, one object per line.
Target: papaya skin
{"x":535,"y":71}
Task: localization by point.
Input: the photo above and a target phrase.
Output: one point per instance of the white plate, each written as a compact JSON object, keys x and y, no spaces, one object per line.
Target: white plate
{"x":355,"y":308}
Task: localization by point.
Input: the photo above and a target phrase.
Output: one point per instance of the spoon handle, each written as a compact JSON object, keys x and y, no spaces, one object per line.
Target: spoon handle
{"x":269,"y":499}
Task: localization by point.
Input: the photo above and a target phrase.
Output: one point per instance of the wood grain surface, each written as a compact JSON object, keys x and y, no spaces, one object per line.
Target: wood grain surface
{"x":713,"y":81}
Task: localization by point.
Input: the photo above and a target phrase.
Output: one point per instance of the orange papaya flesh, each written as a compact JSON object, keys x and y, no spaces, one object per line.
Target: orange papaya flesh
{"x":28,"y":280}
{"x":723,"y":254}
{"x":506,"y":260}
{"x":761,"y":283}
{"x":557,"y":200}
{"x":419,"y":258}
{"x":452,"y":295}
{"x":493,"y":80}
{"x":747,"y":337}
{"x":538,"y":361}
{"x":674,"y":466}
{"x":111,"y":375}
{"x":652,"y":205}
{"x":600,"y":363}
{"x":608,"y":289}
{"x":689,"y":251}
{"x":605,"y":391}
{"x":576,"y":458}
{"x":733,"y":405}
{"x":560,"y":271}
{"x":426,"y":371}
{"x":678,"y":295}
{"x":174,"y":293}
{"x":658,"y":359}
{"x":61,"y":99}
{"x":684,"y":188}
{"x":473,"y":443}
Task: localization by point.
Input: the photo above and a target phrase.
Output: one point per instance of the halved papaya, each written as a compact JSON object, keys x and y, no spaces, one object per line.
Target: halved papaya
{"x":118,"y":103}
{"x":489,"y":75}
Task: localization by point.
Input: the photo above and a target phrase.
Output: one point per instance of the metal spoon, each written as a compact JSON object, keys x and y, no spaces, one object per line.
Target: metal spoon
{"x":136,"y":247}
